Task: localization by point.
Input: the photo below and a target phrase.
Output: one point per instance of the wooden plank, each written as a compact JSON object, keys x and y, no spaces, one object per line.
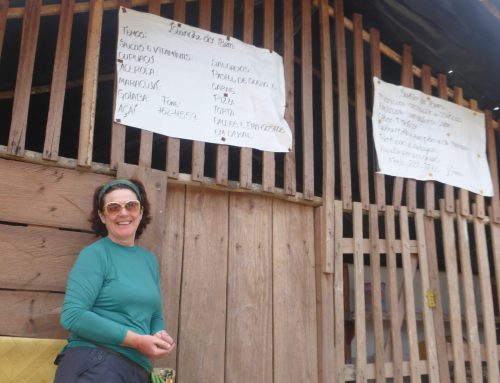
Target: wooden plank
{"x":429,"y":185}
{"x":146,"y":145}
{"x":376,"y":297}
{"x":407,"y":80}
{"x":409,"y":295}
{"x":171,"y":264}
{"x":376,"y":71}
{"x":20,"y":107}
{"x":469,"y":301}
{"x":495,"y":245}
{"x":31,"y":314}
{"x":328,"y":159}
{"x":201,"y":343}
{"x":222,"y":156}
{"x":450,"y":257}
{"x":439,"y":329}
{"x":249,"y":332}
{"x":463,"y":194}
{"x":350,"y":370}
{"x":430,"y":334}
{"x":307,"y":101}
{"x":325,"y":303}
{"x":4,"y":8}
{"x":343,"y":105}
{"x":173,"y":143}
{"x":48,"y":196}
{"x":347,"y":246}
{"x":359,"y":293}
{"x":490,"y":335}
{"x":290,"y":181}
{"x":38,"y":258}
{"x":118,"y":130}
{"x":397,"y":347}
{"x":492,"y":159}
{"x":294,"y":294}
{"x":58,"y":86}
{"x":246,"y":153}
{"x":89,"y":91}
{"x":198,"y":155}
{"x":338,"y":291}
{"x":268,"y":163}
{"x":360,"y":102}
{"x":480,"y":207}
{"x":448,"y":189}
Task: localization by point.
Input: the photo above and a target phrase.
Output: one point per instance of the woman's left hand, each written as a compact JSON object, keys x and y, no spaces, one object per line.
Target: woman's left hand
{"x":167,"y":338}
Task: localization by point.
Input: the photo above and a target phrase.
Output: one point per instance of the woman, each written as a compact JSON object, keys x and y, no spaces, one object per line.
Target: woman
{"x":112,"y":307}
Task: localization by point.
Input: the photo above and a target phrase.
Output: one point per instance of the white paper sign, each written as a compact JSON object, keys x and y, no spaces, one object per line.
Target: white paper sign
{"x":427,"y":138}
{"x":186,"y":82}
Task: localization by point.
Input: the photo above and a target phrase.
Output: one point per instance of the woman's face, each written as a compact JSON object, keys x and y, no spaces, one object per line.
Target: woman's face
{"x":121,"y":224}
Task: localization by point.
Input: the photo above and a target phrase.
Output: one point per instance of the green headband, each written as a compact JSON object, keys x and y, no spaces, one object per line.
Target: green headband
{"x":127,"y":183}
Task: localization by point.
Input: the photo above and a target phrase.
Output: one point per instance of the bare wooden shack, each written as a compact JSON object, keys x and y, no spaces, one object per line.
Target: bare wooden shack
{"x":303,"y":267}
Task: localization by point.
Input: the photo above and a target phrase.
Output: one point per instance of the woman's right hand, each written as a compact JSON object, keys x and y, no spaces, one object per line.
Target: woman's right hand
{"x":150,"y":345}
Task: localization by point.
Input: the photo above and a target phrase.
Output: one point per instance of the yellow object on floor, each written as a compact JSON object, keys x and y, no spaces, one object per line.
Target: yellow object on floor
{"x":28,"y":359}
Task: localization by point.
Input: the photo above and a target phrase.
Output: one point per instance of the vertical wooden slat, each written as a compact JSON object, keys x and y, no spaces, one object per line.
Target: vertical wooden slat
{"x":58,"y":86}
{"x":294,"y":294}
{"x":4,"y":9}
{"x":246,"y":153}
{"x":463,"y":194}
{"x":222,"y":157}
{"x":495,"y":245}
{"x":171,"y":264}
{"x":469,"y":302}
{"x":449,"y":198}
{"x":359,"y":93}
{"x":376,"y":71}
{"x":268,"y":165}
{"x":327,"y":138}
{"x":118,"y":130}
{"x":338,"y":289}
{"x":20,"y":108}
{"x":492,"y":159}
{"x":429,"y":185}
{"x":480,"y":207}
{"x":249,"y":340}
{"x":146,"y":145}
{"x":90,"y":77}
{"x":409,"y":296}
{"x":325,"y":303}
{"x":376,"y":300}
{"x":290,"y":181}
{"x":430,"y":334}
{"x":439,"y":328}
{"x":397,"y":347}
{"x":198,"y":156}
{"x":490,"y":335}
{"x":359,"y":293}
{"x":343,"y":120}
{"x":201,"y":349}
{"x":450,"y":257}
{"x":173,"y":143}
{"x":307,"y":101}
{"x":407,"y":81}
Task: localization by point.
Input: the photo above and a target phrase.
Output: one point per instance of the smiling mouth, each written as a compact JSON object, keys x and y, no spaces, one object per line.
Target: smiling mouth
{"x":124,"y":223}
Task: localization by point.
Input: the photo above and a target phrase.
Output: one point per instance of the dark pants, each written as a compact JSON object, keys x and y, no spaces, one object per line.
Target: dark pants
{"x":93,"y":365}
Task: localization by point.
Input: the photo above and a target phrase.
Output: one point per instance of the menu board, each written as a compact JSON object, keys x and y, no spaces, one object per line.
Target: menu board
{"x":185,"y":82}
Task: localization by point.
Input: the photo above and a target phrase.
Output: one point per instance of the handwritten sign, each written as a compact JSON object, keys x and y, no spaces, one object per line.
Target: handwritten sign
{"x":186,"y":82}
{"x":427,"y":138}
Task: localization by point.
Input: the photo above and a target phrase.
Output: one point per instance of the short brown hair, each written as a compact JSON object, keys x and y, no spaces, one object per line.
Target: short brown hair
{"x":99,"y":228}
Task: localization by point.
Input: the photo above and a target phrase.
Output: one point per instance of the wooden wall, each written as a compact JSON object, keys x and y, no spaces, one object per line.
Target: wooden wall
{"x":237,"y":270}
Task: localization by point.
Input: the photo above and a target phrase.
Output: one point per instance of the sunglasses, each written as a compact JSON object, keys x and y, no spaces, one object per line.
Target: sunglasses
{"x":113,"y":208}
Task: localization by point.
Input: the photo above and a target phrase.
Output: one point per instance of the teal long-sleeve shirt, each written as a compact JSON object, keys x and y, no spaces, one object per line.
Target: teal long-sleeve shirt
{"x":111,"y":289}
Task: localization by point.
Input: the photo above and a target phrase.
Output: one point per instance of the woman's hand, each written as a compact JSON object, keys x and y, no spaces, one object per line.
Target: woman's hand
{"x":167,"y":338}
{"x":152,"y":346}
